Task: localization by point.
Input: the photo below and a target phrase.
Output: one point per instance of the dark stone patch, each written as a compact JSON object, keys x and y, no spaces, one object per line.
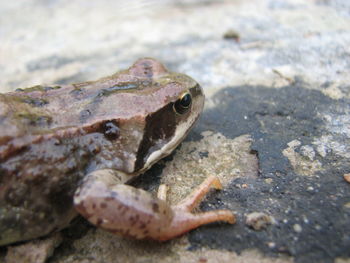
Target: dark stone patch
{"x":103,"y":205}
{"x":274,"y":117}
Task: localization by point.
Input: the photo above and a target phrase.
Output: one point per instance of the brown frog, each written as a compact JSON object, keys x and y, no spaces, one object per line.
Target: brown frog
{"x":70,"y":149}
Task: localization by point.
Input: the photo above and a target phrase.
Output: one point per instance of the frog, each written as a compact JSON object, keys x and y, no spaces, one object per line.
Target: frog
{"x":73,"y":150}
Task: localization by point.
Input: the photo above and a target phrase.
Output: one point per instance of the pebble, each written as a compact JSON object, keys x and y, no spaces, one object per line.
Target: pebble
{"x":232,"y":34}
{"x":297,"y":228}
{"x":258,"y":220}
{"x":269,"y":180}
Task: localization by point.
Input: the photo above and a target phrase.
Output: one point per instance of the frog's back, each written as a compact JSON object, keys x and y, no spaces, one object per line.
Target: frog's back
{"x":35,"y":196}
{"x":51,"y":137}
{"x":49,"y":140}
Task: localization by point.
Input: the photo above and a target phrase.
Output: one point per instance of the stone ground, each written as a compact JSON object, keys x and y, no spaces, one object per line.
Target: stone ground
{"x":275,"y":129}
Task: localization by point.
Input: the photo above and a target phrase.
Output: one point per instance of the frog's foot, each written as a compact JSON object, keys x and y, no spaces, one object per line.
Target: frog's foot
{"x":136,"y":213}
{"x":184,"y":220}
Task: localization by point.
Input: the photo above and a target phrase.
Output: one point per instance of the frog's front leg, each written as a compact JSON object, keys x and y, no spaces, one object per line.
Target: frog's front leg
{"x":133,"y":212}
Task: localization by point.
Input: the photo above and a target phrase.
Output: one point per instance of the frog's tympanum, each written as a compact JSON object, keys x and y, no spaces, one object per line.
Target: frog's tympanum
{"x":70,"y":149}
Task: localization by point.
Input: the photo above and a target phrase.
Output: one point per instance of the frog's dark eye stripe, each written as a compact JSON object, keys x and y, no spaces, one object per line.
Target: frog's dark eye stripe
{"x":183,"y":104}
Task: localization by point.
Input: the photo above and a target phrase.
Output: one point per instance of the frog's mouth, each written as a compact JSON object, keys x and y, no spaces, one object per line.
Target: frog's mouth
{"x":165,"y":131}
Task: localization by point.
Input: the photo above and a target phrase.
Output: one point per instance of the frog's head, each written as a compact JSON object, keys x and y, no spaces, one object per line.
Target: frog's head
{"x":177,"y":103}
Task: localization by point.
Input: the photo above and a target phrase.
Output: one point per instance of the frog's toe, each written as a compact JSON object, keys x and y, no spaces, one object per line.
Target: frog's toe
{"x":184,"y":220}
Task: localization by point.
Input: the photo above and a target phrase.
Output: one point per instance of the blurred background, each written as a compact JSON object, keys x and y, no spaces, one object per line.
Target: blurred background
{"x":216,"y":42}
{"x":276,"y":72}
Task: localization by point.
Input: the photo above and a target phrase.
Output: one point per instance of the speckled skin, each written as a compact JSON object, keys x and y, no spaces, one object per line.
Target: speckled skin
{"x":135,"y":213}
{"x":106,"y":131}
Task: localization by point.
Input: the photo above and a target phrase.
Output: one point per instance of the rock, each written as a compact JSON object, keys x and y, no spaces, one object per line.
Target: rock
{"x":232,"y":34}
{"x":258,"y":220}
{"x":297,"y":228}
{"x":37,"y":251}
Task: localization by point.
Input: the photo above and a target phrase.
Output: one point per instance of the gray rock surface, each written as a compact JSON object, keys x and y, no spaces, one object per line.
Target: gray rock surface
{"x":276,"y":125}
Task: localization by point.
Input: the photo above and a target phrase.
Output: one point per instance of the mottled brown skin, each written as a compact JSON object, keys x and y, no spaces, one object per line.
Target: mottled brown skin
{"x":135,"y":213}
{"x":51,"y":138}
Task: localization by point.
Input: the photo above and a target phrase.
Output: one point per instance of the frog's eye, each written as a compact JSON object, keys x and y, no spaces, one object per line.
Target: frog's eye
{"x":183,"y":104}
